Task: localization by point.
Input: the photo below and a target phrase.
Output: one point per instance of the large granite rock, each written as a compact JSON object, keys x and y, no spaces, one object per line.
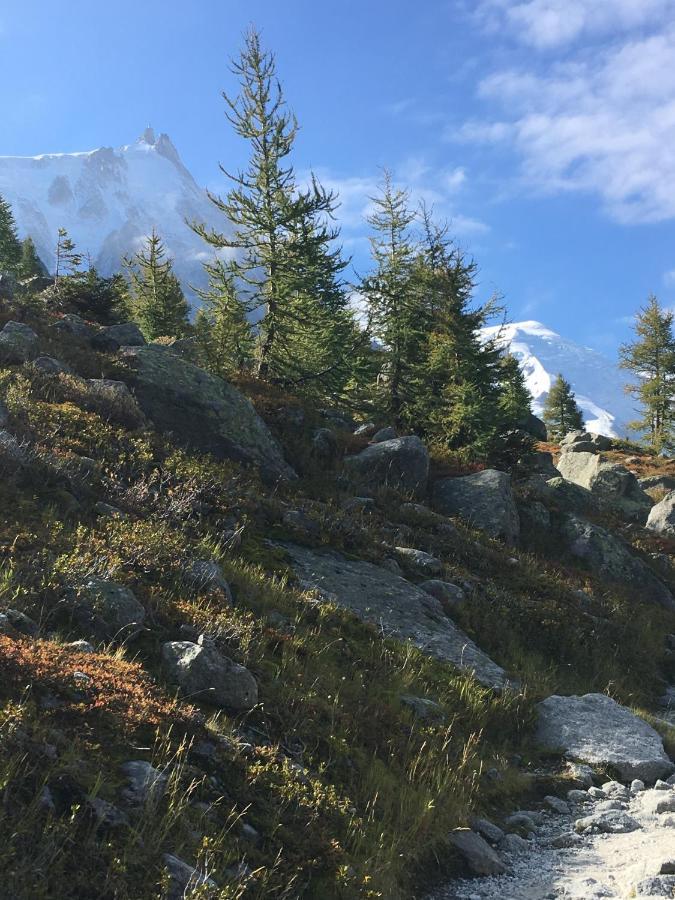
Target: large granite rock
{"x":611,"y":558}
{"x":611,"y":483}
{"x":203,"y":411}
{"x":658,"y":483}
{"x":18,"y":343}
{"x":401,"y":609}
{"x":108,"y":611}
{"x":478,"y":855}
{"x":596,"y":729}
{"x":401,"y":463}
{"x":662,"y":516}
{"x":206,"y":675}
{"x":126,"y":334}
{"x":558,"y":492}
{"x":485,"y":500}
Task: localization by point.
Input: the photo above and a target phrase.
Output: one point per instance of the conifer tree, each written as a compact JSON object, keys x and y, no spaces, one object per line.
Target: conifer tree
{"x":458,"y":383}
{"x":30,"y":264}
{"x":515,"y":401}
{"x":651,"y":359}
{"x":157,"y":301}
{"x":561,"y":412}
{"x":10,"y":245}
{"x":224,"y":335}
{"x":265,"y":205}
{"x":391,"y":292}
{"x":68,"y":260}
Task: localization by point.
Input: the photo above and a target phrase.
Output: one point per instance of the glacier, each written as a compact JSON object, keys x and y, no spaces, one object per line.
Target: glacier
{"x":597,"y":381}
{"x":109,"y":200}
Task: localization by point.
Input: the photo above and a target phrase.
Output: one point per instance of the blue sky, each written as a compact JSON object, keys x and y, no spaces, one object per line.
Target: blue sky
{"x":544,"y":130}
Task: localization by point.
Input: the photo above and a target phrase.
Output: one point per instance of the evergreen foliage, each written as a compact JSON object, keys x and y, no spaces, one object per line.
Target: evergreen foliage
{"x":30,"y":264}
{"x":94,"y":297}
{"x":651,"y":359}
{"x":68,"y":260}
{"x":10,"y":245}
{"x":156,"y":300}
{"x":224,"y":336}
{"x":279,"y":235}
{"x":561,"y":412}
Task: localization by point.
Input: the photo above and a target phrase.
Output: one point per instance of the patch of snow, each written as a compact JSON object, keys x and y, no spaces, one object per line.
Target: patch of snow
{"x":598,"y":383}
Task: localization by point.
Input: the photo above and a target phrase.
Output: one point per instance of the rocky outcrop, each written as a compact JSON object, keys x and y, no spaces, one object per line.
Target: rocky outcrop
{"x":611,"y":483}
{"x":108,"y":611}
{"x":206,"y":675}
{"x":611,"y":558}
{"x":400,"y":609}
{"x":484,"y":500}
{"x":401,"y":463}
{"x":533,"y":426}
{"x":126,"y":334}
{"x":596,"y":729}
{"x":590,"y":439}
{"x":18,"y":343}
{"x":657,"y":483}
{"x":662,"y":516}
{"x":203,"y":411}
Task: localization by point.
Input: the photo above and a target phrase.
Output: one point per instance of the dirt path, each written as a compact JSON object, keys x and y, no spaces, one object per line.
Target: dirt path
{"x":599,"y":865}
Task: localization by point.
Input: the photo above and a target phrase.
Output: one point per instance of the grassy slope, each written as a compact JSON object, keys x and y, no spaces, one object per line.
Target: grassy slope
{"x":350,"y":796}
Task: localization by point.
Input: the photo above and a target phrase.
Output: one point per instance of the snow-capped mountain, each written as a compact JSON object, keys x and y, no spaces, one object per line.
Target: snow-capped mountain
{"x":596,"y":380}
{"x":109,"y":200}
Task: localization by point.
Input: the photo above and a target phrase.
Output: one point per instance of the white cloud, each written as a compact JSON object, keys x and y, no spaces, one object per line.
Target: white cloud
{"x":547,"y":24}
{"x":601,"y":122}
{"x":669,"y":278}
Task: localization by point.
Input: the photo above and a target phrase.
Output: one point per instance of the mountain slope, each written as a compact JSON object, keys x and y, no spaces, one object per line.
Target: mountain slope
{"x":597,"y":381}
{"x":108,"y":200}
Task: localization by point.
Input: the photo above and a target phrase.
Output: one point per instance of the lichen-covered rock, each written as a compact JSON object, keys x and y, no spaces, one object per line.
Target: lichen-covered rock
{"x":596,"y":729}
{"x":395,"y":606}
{"x":75,"y":326}
{"x":611,"y":483}
{"x":203,"y":411}
{"x":206,"y":675}
{"x":450,"y":596}
{"x":47,"y":365}
{"x":108,"y":611}
{"x":484,"y":500}
{"x":613,"y":821}
{"x":126,"y":334}
{"x":324,"y":447}
{"x":384,"y":434}
{"x":402,"y":463}
{"x":478,"y":855}
{"x":207,"y":575}
{"x":657,"y":483}
{"x":185,"y":880}
{"x":662,"y":516}
{"x":143,"y":782}
{"x":608,"y":556}
{"x":18,"y":343}
{"x":419,"y":561}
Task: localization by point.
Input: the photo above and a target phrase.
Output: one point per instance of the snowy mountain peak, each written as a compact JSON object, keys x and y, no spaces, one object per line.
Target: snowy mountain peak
{"x":598,"y":383}
{"x":109,"y":200}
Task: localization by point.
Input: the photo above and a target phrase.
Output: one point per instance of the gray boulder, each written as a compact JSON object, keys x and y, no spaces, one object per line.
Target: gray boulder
{"x":596,"y":729}
{"x":491,"y":832}
{"x":396,"y":607}
{"x":611,"y":558}
{"x":203,"y":411}
{"x":127,"y":334}
{"x":533,"y":426}
{"x":402,"y":463}
{"x":206,"y":574}
{"x":47,"y":365}
{"x":18,"y":343}
{"x":384,"y":434}
{"x":614,"y":821}
{"x":485,"y":500}
{"x":611,"y":483}
{"x":366,"y":430}
{"x":656,"y":886}
{"x":184,"y":879}
{"x":204,"y":674}
{"x":657,"y":483}
{"x":556,"y":491}
{"x":324,"y":447}
{"x":450,"y":596}
{"x":419,"y":561}
{"x":662,"y":516}
{"x":478,"y":855}
{"x":74,"y":325}
{"x":143,"y":782}
{"x":423,"y":708}
{"x":108,"y":611}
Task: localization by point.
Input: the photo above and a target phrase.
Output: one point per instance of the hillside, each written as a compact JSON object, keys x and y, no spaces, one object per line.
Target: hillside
{"x":252,"y":647}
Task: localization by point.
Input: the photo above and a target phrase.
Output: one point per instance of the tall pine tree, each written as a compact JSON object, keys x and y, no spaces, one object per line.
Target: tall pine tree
{"x":10,"y":245}
{"x":561,"y":412}
{"x":651,"y":359}
{"x":392,"y":296}
{"x":30,"y":264}
{"x":157,"y":301}
{"x":266,"y":207}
